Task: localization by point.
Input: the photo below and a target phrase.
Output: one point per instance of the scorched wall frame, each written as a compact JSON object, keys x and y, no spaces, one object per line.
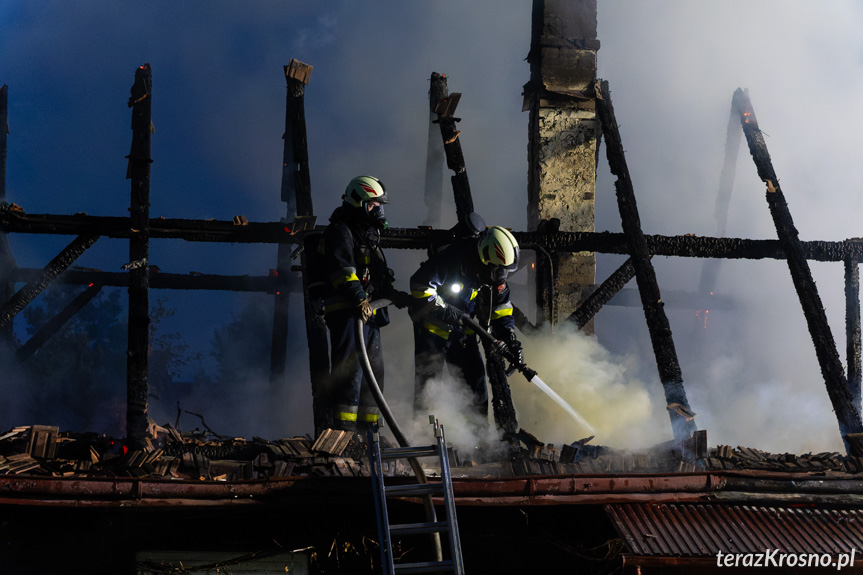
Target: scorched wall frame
{"x":14,"y":220}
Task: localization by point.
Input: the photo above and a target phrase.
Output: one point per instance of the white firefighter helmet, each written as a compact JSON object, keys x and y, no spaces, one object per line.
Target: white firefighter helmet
{"x":363,"y":189}
{"x":498,"y":247}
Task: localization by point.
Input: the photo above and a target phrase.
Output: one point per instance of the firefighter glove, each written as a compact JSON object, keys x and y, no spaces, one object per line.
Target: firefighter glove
{"x":400,"y":299}
{"x":364,"y":310}
{"x":516,"y":355}
{"x":501,"y":349}
{"x":447,"y":313}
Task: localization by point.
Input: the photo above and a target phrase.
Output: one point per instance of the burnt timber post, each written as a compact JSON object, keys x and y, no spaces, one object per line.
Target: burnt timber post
{"x":137,"y":386}
{"x":852,"y":329}
{"x":670,"y":374}
{"x":295,"y":182}
{"x":433,"y":187}
{"x":297,"y":194}
{"x":562,"y":146}
{"x":444,"y":109}
{"x":7,"y":260}
{"x":733,"y":134}
{"x":847,"y":413}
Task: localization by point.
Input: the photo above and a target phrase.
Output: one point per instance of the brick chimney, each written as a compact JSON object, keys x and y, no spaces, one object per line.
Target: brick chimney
{"x":562,"y":147}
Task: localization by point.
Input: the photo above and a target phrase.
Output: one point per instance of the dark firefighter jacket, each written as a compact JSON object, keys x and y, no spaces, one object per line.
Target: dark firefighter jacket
{"x":356,"y":266}
{"x":450,"y":276}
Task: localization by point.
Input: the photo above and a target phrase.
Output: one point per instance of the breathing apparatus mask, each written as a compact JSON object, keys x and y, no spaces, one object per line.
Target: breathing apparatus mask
{"x":375,"y":214}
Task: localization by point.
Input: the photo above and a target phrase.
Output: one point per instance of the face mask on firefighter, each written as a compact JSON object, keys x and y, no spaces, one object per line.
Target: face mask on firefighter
{"x":492,"y":274}
{"x":375,"y":212}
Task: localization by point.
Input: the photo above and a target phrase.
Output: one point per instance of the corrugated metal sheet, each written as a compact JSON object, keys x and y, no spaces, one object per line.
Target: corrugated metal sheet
{"x":701,"y":530}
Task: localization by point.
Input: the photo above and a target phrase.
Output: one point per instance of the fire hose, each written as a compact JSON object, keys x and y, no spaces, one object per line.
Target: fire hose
{"x":529,"y":374}
{"x":388,"y":416}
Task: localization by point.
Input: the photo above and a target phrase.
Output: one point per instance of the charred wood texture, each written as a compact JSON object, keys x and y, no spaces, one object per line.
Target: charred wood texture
{"x":296,"y":182}
{"x":601,"y":296}
{"x":4,"y":130}
{"x":7,"y":260}
{"x":687,"y":246}
{"x":852,"y":329}
{"x":54,"y":268}
{"x":296,"y":194}
{"x":296,"y":187}
{"x":452,"y":146}
{"x":160,"y":280}
{"x":847,"y":413}
{"x":501,"y":396}
{"x":137,"y":386}
{"x":657,"y":322}
{"x":53,"y":325}
{"x":710,"y":269}
{"x":433,"y":188}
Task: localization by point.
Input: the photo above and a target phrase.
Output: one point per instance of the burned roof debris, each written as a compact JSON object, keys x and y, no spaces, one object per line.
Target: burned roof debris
{"x":199,"y":455}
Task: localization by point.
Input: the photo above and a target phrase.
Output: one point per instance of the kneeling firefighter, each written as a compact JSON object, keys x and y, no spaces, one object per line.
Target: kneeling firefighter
{"x":444,"y":289}
{"x":356,"y":271}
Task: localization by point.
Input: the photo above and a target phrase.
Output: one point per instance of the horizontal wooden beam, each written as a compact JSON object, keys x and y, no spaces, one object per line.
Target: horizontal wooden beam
{"x":420,"y":238}
{"x":159,"y":280}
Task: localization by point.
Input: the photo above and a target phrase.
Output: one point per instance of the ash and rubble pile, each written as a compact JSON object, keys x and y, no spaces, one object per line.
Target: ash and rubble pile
{"x":201,"y":455}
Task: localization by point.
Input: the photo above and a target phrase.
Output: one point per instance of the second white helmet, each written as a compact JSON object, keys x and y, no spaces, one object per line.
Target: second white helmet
{"x":498,"y":247}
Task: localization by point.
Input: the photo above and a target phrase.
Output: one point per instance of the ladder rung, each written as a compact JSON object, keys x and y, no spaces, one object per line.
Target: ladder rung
{"x":414,"y":528}
{"x":413,"y":489}
{"x":400,"y":452}
{"x":425,"y":567}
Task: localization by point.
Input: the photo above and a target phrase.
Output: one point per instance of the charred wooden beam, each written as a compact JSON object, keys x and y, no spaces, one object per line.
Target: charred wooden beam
{"x":319,"y":357}
{"x":137,"y":385}
{"x":503,"y":409}
{"x":13,"y":221}
{"x":733,"y":135}
{"x":603,"y":294}
{"x":7,"y":260}
{"x":4,"y":130}
{"x":433,"y":187}
{"x":54,"y":324}
{"x":161,"y":228}
{"x":160,"y":280}
{"x":847,"y":413}
{"x":296,"y":194}
{"x":222,"y":231}
{"x":853,"y":343}
{"x":296,"y":184}
{"x":50,"y":272}
{"x":667,"y":363}
{"x":445,"y":108}
{"x":690,"y":246}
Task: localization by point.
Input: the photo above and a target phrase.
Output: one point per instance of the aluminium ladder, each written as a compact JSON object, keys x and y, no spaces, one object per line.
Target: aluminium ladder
{"x":448,"y":524}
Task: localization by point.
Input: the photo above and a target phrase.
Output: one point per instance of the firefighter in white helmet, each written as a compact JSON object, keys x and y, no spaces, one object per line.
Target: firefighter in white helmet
{"x":445,"y":287}
{"x":355,"y":272}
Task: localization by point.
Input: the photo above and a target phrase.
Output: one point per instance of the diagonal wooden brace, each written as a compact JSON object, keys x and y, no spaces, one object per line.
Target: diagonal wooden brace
{"x":49,"y":273}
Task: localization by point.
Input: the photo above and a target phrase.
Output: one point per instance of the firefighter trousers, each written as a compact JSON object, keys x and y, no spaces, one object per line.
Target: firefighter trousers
{"x":353,"y":405}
